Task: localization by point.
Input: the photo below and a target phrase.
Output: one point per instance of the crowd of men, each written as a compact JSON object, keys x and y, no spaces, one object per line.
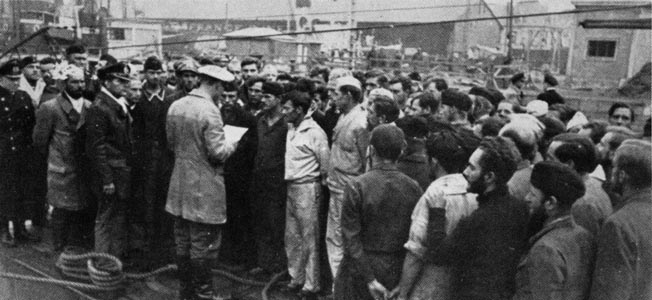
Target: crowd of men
{"x":394,"y":185}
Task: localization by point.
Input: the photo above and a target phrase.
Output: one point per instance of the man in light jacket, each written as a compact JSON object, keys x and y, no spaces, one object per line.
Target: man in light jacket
{"x":196,"y":196}
{"x":60,"y":133}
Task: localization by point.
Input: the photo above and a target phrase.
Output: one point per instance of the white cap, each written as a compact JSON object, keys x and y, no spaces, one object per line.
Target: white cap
{"x":348,"y":80}
{"x":216,"y":72}
{"x":537,"y":108}
{"x":381,"y":92}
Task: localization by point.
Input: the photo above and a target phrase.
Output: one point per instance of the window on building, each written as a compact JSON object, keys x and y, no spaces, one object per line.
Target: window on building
{"x":117,"y":34}
{"x":601,"y":49}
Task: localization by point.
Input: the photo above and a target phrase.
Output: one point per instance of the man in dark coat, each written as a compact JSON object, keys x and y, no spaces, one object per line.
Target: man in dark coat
{"x":560,"y":260}
{"x":60,"y":134}
{"x":239,"y":245}
{"x":484,"y":248}
{"x":153,"y":164}
{"x":623,"y":268}
{"x":268,"y":187}
{"x":376,"y":221}
{"x":16,"y":124}
{"x":109,"y":147}
{"x":550,"y":94}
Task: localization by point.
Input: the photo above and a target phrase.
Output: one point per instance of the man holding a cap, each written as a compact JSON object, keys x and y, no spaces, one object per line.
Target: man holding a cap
{"x":348,"y":152}
{"x":196,"y":197}
{"x":16,"y":124}
{"x":109,"y":147}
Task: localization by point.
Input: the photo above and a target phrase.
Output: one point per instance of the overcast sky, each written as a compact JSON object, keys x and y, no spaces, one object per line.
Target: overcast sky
{"x":209,"y":9}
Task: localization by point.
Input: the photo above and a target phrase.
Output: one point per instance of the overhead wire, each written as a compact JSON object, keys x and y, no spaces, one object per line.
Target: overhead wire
{"x":365,"y":11}
{"x":387,"y":26}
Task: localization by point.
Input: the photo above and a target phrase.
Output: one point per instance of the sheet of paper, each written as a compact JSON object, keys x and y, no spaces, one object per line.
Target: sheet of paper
{"x":233,"y":134}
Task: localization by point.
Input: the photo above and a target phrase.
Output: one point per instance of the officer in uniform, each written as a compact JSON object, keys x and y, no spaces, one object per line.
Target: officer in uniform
{"x":109,"y":147}
{"x":16,"y":124}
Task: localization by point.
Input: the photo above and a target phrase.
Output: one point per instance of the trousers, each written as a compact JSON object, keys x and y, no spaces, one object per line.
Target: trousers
{"x":302,"y":234}
{"x":334,"y":244}
{"x":197,"y":240}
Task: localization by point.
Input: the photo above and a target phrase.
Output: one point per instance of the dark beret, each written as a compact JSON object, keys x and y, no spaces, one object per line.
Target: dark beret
{"x":119,"y":71}
{"x":152,"y":63}
{"x":75,"y":49}
{"x":517,"y":77}
{"x":559,"y":180}
{"x":456,"y":99}
{"x":28,"y":60}
{"x":273,"y":88}
{"x":11,"y":69}
{"x":549,"y":79}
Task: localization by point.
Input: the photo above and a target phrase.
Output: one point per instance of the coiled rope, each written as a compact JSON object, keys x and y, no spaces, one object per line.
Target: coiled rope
{"x":103,"y":272}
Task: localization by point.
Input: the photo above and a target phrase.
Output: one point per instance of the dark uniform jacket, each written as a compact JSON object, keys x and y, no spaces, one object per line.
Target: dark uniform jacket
{"x":109,"y":143}
{"x":623,"y":267}
{"x":485,"y":247}
{"x":16,"y":124}
{"x":559,"y":263}
{"x":375,"y":225}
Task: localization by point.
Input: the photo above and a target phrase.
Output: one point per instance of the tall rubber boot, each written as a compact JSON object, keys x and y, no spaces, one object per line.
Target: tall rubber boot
{"x":184,"y":272}
{"x":203,"y":279}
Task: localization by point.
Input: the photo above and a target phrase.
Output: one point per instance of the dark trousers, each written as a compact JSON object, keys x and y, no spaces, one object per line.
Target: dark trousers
{"x":198,"y":241}
{"x":111,"y":220}
{"x":14,"y":183}
{"x":239,"y":244}
{"x":151,"y":226}
{"x":35,"y":194}
{"x":70,"y":228}
{"x":269,"y":196}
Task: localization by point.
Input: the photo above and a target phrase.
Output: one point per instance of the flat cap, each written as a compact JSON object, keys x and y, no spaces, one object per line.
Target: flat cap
{"x":348,"y":80}
{"x":189,"y":65}
{"x":11,"y":69}
{"x":381,"y":92}
{"x":28,"y":60}
{"x":216,"y":72}
{"x":537,"y":108}
{"x":559,"y":180}
{"x":120,"y":71}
